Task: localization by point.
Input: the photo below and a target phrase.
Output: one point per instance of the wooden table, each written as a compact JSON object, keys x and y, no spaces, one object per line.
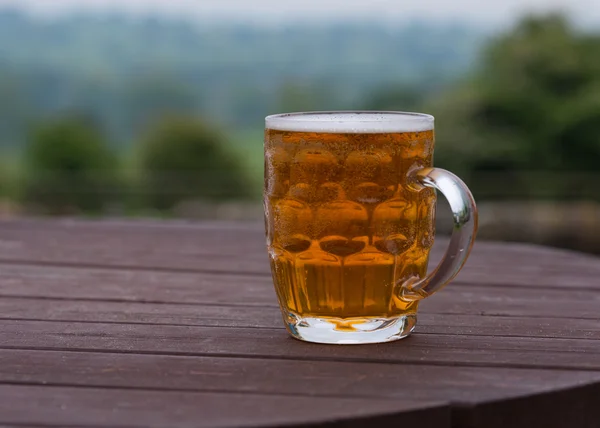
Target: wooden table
{"x":146,"y":324}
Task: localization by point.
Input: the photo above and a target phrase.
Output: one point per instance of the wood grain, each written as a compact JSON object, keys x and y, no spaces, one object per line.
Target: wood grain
{"x":64,"y":406}
{"x":246,"y":290}
{"x":463,"y":385}
{"x":438,"y":349}
{"x":126,"y":324}
{"x":449,"y":320}
{"x":241,"y":248}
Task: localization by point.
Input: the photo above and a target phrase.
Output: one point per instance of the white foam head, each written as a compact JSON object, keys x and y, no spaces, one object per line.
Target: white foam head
{"x":359,"y":122}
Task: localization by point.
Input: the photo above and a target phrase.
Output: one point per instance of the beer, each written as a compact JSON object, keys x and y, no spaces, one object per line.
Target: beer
{"x":346,"y":225}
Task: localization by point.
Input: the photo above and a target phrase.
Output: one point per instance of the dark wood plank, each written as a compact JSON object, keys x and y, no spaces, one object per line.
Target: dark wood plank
{"x":144,"y":313}
{"x":191,"y":288}
{"x":226,"y":238}
{"x":269,"y":317}
{"x":199,"y":246}
{"x":19,"y":425}
{"x":135,"y":285}
{"x":432,"y":349}
{"x":462,"y":385}
{"x":64,"y":406}
{"x":237,"y":290}
{"x":194,"y":303}
{"x":571,"y":407}
{"x":234,"y":248}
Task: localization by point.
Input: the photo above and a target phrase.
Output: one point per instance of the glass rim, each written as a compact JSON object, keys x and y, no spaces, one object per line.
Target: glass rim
{"x":359,"y":121}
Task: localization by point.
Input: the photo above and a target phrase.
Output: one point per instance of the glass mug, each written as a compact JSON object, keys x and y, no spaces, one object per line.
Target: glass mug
{"x":350,"y":215}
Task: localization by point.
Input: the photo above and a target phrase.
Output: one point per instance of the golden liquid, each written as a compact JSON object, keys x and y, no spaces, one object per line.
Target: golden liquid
{"x":344,"y":227}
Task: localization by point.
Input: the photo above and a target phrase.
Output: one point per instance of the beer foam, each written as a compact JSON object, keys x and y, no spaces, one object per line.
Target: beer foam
{"x":351,"y":122}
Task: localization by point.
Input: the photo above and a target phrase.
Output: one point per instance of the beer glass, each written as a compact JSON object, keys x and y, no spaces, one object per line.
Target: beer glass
{"x":349,"y":201}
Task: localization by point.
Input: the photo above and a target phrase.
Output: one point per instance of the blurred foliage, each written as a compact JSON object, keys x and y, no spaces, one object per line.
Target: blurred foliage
{"x":151,"y":97}
{"x":69,"y":168}
{"x":10,"y":175}
{"x":527,"y":123}
{"x":524,"y":123}
{"x":126,"y":71}
{"x":185,"y":159}
{"x":5,"y":180}
{"x":297,"y":96}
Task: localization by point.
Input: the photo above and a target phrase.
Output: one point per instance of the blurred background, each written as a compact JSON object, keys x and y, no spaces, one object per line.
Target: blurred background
{"x":147,"y":108}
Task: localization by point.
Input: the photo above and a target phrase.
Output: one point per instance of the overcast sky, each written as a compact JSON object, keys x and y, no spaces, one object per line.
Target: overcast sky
{"x":482,"y":11}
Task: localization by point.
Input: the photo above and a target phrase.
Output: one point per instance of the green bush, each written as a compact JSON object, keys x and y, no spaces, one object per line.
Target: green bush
{"x":527,"y":123}
{"x":69,"y":168}
{"x":7,"y":176}
{"x":184,"y":159}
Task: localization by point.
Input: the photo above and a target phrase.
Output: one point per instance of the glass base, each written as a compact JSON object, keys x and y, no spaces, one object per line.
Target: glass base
{"x":350,"y":331}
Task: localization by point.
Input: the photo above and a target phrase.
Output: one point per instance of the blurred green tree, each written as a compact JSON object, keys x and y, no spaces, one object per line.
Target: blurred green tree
{"x":301,"y":95}
{"x":15,"y":111}
{"x":402,"y":98}
{"x":154,"y":96}
{"x":184,"y":159}
{"x":533,"y":106}
{"x":69,"y":168}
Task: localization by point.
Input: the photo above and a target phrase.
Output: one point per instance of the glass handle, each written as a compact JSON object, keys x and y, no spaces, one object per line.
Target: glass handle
{"x":464,"y":213}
